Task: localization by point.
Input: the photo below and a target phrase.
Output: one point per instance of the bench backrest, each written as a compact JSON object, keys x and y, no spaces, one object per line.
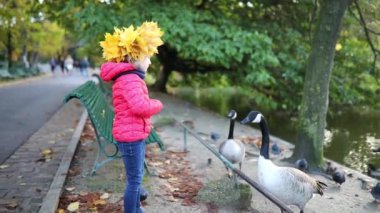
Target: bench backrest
{"x":101,"y":113}
{"x":99,"y":110}
{"x":105,"y":87}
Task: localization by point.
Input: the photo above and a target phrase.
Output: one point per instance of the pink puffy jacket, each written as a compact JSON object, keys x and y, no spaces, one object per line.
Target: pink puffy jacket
{"x":132,"y":105}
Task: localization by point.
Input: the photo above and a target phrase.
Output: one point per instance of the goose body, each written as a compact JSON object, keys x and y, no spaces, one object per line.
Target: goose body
{"x":232,"y":149}
{"x":290,"y":185}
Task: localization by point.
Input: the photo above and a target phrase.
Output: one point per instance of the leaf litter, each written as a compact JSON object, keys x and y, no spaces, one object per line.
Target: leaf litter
{"x":180,"y":183}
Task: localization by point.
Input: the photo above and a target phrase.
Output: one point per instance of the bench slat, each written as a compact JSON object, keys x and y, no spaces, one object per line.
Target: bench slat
{"x":101,"y":115}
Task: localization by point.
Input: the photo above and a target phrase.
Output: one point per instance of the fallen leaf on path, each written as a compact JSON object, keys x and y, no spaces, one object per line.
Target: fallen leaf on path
{"x":83,"y":193}
{"x":155,"y":163}
{"x":88,"y":133}
{"x":12,"y":205}
{"x":74,"y":171}
{"x":48,"y":151}
{"x":105,"y":196}
{"x":70,"y":188}
{"x":172,"y":167}
{"x":73,"y":207}
{"x":89,"y":202}
{"x":4,"y":166}
{"x":171,"y":199}
{"x":99,"y":202}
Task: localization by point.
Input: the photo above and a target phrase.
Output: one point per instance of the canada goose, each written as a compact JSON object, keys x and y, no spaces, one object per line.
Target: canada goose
{"x":290,"y":185}
{"x":232,"y":149}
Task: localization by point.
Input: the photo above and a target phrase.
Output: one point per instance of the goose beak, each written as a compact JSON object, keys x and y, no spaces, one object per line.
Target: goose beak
{"x":245,"y":120}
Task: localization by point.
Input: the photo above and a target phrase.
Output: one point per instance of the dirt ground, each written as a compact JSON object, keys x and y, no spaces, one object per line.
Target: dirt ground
{"x":178,"y":176}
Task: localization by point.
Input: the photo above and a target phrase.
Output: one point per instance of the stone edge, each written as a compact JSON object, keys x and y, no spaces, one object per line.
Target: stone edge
{"x":51,"y":200}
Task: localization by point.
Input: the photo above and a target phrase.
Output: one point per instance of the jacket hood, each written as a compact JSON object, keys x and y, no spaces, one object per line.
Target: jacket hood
{"x":111,"y":69}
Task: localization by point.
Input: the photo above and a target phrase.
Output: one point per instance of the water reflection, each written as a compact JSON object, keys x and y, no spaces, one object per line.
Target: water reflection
{"x":350,"y":137}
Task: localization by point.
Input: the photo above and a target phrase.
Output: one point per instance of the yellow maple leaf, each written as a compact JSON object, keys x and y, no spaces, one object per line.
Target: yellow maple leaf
{"x":127,"y":37}
{"x":338,"y":47}
{"x":151,"y":34}
{"x":111,"y":50}
{"x":100,"y":202}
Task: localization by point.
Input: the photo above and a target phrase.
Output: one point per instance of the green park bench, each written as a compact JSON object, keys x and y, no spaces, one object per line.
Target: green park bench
{"x":101,"y":115}
{"x":105,"y":87}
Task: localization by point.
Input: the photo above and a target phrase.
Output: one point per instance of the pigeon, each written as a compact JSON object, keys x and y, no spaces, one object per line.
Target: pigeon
{"x":143,"y":194}
{"x":375,"y":192}
{"x":302,"y":164}
{"x":330,"y":170}
{"x":215,"y":136}
{"x":339,"y":177}
{"x":276,"y":149}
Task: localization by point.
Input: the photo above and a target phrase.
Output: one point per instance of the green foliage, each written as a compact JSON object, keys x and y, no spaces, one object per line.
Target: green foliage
{"x":198,"y":80}
{"x":353,"y":82}
{"x":261,"y":46}
{"x":46,"y":47}
{"x":30,"y":33}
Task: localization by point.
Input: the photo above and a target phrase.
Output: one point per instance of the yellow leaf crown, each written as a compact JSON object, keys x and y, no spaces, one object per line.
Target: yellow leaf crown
{"x":134,"y":43}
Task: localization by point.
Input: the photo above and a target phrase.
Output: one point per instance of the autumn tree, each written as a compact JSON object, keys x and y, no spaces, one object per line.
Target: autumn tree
{"x":314,"y":105}
{"x":198,"y":37}
{"x":25,"y":34}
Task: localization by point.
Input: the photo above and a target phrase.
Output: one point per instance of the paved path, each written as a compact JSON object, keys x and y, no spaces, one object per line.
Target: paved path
{"x":26,"y":105}
{"x":26,"y":176}
{"x":33,"y":118}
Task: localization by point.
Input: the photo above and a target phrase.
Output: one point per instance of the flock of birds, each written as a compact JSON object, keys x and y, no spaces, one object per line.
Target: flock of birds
{"x":291,"y":185}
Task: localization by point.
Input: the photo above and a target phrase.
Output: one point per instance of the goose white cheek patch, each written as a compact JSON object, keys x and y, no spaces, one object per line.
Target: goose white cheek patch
{"x":257,"y":119}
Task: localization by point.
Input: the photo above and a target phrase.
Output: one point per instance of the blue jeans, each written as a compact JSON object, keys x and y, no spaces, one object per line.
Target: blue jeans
{"x":133,"y":155}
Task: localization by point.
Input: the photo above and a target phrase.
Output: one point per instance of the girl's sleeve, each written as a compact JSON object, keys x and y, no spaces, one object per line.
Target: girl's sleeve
{"x":139,"y":102}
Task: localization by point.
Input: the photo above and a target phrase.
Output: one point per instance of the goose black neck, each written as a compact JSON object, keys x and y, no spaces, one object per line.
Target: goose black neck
{"x":231,"y":133}
{"x":264,"y":151}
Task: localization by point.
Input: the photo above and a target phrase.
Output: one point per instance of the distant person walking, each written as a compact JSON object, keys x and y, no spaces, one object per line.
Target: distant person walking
{"x":53,"y":64}
{"x":62,"y":64}
{"x":127,"y":65}
{"x":83,"y":65}
{"x":69,"y":64}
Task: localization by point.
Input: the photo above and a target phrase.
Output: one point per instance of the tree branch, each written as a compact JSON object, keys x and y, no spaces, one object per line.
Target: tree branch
{"x":367,"y":32}
{"x":312,"y":19}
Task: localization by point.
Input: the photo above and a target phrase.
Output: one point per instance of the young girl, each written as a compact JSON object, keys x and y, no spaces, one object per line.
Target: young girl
{"x":128,"y":53}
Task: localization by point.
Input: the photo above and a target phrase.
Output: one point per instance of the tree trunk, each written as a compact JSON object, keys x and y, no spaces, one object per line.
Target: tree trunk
{"x":312,"y":115}
{"x":9,"y":47}
{"x":34,"y":56}
{"x":160,"y":84}
{"x":24,"y":53}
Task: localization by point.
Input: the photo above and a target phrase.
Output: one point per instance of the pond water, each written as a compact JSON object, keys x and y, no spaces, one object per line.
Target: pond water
{"x":350,"y":136}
